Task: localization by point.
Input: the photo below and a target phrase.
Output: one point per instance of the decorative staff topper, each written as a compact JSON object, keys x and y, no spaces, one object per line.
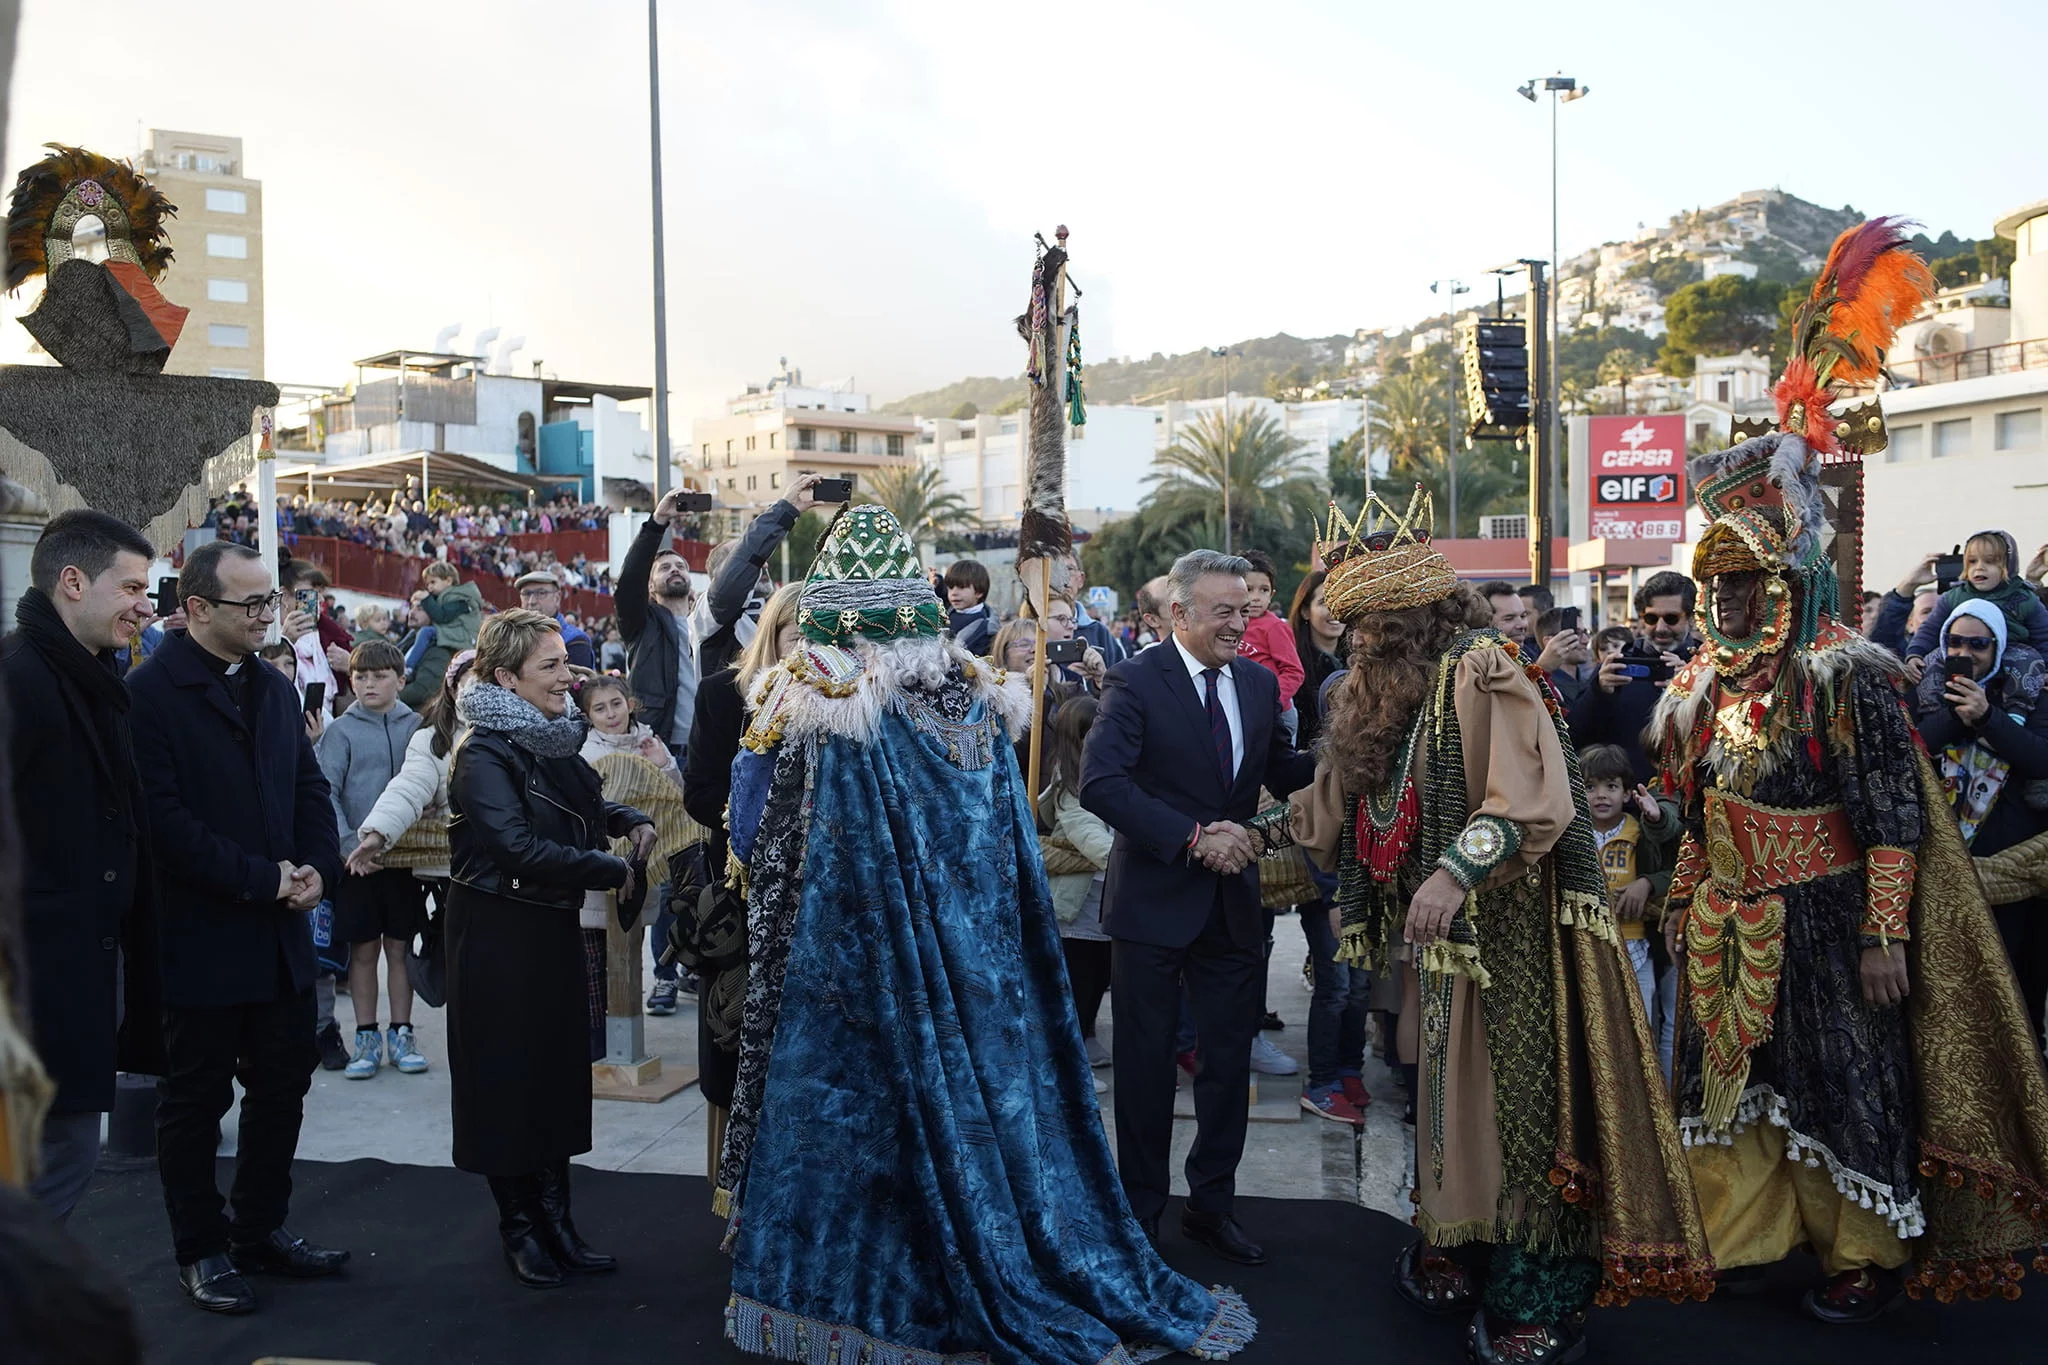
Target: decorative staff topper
{"x":1045,"y":535}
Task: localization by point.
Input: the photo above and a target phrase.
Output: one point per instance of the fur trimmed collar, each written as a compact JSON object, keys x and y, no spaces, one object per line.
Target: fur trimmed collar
{"x":828,"y":690}
{"x":1824,"y":668}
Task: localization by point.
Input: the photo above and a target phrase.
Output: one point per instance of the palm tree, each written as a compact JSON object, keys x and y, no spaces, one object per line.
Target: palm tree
{"x":924,"y":506}
{"x":1272,"y":477}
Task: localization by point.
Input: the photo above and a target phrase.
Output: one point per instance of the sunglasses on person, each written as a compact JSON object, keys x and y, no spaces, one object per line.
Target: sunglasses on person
{"x":1663,"y":618}
{"x":1974,"y":644}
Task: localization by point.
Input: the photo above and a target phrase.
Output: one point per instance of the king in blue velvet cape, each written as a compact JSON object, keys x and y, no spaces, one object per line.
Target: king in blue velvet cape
{"x":916,"y":1168}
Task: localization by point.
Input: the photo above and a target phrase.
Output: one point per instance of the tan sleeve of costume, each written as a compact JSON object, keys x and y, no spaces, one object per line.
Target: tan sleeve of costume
{"x":1316,"y":817}
{"x":1514,"y":771}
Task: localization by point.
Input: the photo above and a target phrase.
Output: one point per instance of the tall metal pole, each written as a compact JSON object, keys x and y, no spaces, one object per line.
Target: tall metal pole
{"x":661,"y":470}
{"x":1229,"y":440}
{"x":1543,"y":429}
{"x":1550,"y":389}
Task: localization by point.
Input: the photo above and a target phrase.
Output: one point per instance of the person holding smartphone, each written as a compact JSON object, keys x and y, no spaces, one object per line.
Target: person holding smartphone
{"x":1616,"y":707}
{"x":1980,"y":711}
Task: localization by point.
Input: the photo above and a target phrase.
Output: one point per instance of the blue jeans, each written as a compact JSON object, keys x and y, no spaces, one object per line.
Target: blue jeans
{"x":658,"y":938}
{"x":1338,"y":1004}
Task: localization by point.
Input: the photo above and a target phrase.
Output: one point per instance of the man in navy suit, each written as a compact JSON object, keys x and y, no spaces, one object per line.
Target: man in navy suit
{"x":1187,"y":735}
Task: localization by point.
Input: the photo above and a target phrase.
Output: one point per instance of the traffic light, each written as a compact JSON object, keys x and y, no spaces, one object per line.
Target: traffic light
{"x":1496,"y":356}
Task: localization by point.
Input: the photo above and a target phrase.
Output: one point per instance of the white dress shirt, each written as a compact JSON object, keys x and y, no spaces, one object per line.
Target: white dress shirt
{"x":1226,"y":692}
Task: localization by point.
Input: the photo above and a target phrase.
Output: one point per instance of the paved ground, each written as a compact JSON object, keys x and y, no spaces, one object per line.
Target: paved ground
{"x":1288,"y":1153}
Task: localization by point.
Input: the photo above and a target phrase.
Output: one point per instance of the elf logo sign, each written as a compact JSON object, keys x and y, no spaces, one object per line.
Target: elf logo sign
{"x":1637,"y":477}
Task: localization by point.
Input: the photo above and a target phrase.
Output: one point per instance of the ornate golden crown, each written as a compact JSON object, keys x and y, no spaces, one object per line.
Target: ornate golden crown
{"x":1377,"y":527}
{"x":1384,"y":561}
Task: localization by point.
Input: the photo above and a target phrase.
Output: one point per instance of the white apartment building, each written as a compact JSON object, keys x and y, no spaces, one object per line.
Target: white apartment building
{"x":1969,"y":436}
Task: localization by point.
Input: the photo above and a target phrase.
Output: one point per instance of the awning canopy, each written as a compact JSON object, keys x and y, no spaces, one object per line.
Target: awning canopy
{"x":374,"y":474}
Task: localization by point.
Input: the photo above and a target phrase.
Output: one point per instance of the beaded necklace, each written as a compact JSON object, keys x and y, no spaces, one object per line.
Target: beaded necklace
{"x":1388,"y":819}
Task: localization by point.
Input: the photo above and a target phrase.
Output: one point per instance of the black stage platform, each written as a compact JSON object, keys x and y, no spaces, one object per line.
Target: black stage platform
{"x":427,"y":1287}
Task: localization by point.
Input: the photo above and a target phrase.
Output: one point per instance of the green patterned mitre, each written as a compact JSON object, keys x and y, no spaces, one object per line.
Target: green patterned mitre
{"x":867,"y":584}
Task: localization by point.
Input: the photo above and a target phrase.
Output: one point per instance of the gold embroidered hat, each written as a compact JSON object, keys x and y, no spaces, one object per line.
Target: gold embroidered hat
{"x":866,"y":583}
{"x":1384,"y":562}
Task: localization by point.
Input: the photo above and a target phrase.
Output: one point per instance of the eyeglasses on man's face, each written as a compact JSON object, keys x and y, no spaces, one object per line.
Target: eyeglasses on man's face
{"x":254,"y":606}
{"x":1975,"y":644}
{"x":1663,"y":618}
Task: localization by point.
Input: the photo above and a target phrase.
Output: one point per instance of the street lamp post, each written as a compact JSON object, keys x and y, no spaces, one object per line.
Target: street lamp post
{"x":661,"y":471}
{"x":1563,"y":90}
{"x":1229,"y":439}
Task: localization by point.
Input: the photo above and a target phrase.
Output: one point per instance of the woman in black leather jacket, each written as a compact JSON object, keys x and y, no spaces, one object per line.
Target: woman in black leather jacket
{"x":527,"y":836}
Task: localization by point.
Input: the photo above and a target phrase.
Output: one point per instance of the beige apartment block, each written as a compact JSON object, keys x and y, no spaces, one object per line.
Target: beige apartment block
{"x":775,"y":432}
{"x":217,"y":252}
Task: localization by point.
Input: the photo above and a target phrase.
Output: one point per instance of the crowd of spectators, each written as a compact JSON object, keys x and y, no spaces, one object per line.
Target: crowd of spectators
{"x":473,"y":537}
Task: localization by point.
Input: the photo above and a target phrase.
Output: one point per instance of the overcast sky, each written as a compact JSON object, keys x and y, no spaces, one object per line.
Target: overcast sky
{"x":853,"y":184}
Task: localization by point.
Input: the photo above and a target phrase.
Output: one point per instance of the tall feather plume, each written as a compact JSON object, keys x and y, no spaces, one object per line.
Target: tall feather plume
{"x":40,"y":189}
{"x":1871,"y":284}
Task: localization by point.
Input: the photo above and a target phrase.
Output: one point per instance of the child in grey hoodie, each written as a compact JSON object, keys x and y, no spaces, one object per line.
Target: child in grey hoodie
{"x":361,"y":751}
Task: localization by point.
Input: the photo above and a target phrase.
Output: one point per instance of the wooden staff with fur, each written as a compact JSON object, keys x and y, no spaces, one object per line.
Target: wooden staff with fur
{"x":1045,"y":537}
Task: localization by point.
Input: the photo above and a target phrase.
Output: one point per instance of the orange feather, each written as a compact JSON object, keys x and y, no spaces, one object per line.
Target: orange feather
{"x":1892,"y":291}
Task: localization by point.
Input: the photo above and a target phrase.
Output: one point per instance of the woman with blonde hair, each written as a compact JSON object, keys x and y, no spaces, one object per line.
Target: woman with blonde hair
{"x":707,"y":785}
{"x":527,"y":832}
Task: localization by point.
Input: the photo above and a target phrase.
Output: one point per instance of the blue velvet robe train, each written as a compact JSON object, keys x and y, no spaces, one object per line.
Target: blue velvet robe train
{"x":930,"y":1177}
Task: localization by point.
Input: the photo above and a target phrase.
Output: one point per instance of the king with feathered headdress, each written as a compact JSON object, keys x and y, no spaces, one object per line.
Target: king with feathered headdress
{"x":1842,"y":989}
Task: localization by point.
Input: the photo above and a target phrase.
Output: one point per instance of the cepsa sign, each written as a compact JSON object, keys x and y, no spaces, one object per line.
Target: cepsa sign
{"x":1637,"y":477}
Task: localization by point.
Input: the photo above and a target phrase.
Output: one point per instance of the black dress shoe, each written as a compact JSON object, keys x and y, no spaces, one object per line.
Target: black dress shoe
{"x":212,"y":1283}
{"x":283,"y":1254}
{"x":1224,"y":1237}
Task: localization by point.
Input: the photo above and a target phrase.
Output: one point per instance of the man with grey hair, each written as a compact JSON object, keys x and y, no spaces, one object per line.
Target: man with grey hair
{"x":1187,"y":735}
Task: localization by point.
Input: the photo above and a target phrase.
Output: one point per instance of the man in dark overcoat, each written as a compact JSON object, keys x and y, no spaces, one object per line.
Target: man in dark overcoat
{"x":245,"y":843}
{"x":88,"y":919}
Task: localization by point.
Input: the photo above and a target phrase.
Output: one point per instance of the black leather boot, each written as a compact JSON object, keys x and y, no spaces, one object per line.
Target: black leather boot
{"x":558,"y":1233}
{"x":519,"y":1224}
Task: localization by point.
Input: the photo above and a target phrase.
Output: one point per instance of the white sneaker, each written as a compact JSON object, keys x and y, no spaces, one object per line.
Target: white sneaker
{"x":1101,"y":1086}
{"x":1269,"y":1060}
{"x":1098,"y":1055}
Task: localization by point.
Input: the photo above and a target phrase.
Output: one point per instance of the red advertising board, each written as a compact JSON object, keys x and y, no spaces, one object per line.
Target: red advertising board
{"x":1636,"y":477}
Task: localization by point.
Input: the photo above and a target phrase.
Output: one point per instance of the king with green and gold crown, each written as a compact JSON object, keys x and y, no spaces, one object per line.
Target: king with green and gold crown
{"x":1447,"y":800}
{"x":915,"y":1169}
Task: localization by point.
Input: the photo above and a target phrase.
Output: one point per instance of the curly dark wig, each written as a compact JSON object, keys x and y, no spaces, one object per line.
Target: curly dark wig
{"x":1394,"y":657}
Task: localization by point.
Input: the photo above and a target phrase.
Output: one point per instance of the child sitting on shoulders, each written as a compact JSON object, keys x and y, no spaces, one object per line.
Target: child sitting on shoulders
{"x":1988,"y":560}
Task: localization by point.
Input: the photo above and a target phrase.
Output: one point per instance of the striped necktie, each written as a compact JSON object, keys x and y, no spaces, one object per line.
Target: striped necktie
{"x":1219,"y":725}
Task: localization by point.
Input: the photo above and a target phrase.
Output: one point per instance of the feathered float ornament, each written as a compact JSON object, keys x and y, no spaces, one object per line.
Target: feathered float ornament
{"x":70,"y":210}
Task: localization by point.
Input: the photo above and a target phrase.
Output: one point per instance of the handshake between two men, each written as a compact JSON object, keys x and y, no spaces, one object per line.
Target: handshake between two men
{"x":1225,"y":847}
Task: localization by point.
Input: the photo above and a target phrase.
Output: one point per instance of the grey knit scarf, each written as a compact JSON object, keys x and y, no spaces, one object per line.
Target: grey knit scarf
{"x":487,"y":706}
